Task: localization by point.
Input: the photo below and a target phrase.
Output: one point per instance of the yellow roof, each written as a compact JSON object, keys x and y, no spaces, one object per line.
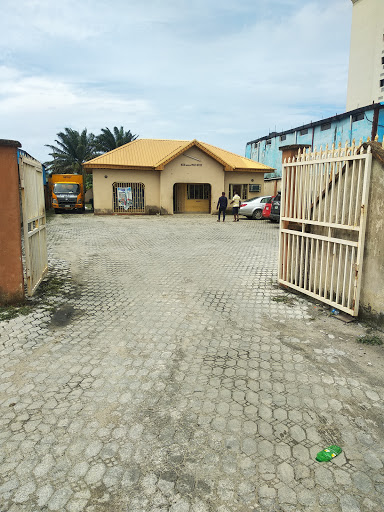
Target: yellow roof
{"x":155,"y":154}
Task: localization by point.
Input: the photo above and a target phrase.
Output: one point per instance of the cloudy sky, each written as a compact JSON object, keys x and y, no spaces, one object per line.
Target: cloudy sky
{"x":221,"y":71}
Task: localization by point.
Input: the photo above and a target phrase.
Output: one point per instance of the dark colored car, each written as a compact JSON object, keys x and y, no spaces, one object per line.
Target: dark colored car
{"x":275,"y":209}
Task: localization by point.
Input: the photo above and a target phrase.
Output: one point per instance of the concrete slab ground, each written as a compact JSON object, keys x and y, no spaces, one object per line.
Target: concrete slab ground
{"x":162,"y":369}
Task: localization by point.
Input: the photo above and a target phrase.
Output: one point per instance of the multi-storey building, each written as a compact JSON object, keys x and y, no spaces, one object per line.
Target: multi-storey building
{"x":366,"y":58}
{"x":365,"y":100}
{"x":357,"y":124}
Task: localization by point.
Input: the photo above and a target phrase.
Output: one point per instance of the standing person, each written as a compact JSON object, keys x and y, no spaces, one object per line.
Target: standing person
{"x":236,"y":205}
{"x":222,"y":204}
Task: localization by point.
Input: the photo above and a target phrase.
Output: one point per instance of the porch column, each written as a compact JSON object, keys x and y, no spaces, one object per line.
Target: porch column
{"x":11,"y":265}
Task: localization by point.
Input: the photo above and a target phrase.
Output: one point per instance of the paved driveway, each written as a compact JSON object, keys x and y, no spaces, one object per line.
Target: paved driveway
{"x":176,"y":376}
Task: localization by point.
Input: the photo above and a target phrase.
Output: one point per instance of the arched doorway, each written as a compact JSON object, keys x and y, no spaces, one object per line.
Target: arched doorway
{"x":191,"y":198}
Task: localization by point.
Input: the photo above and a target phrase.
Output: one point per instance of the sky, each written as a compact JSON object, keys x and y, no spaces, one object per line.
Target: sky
{"x":221,"y":71}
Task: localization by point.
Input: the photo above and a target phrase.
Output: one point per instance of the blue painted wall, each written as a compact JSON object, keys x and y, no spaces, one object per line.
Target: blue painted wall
{"x":342,"y":128}
{"x":380,"y":129}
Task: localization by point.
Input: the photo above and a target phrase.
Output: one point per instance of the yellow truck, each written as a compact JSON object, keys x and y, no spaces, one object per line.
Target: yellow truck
{"x":67,"y":192}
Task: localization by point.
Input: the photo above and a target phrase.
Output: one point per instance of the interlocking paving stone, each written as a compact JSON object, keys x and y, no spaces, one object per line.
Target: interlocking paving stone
{"x":184,"y":379}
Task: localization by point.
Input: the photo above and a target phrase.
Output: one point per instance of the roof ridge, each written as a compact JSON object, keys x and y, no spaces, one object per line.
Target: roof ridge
{"x":113,"y":150}
{"x":229,"y":152}
{"x":179,"y":148}
{"x":156,"y":153}
{"x":168,"y":140}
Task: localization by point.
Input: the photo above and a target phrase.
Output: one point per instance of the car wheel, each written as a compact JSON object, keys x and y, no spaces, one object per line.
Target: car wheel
{"x":257,"y":214}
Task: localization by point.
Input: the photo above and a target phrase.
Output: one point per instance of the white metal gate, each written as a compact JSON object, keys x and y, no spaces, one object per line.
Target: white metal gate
{"x":323,"y":220}
{"x":34,"y":221}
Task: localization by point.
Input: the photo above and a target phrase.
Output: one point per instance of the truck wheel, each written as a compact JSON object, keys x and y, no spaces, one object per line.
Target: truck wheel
{"x":257,"y":214}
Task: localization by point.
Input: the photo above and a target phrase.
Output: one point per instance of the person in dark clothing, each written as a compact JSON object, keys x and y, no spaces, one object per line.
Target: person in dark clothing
{"x":222,"y":204}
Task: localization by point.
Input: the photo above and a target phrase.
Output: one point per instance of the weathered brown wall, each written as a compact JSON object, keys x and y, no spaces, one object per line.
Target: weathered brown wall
{"x":11,"y":266}
{"x":271,"y":187}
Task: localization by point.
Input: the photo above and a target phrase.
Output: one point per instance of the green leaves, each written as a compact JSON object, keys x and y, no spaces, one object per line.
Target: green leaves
{"x":107,"y":141}
{"x":71,"y":151}
{"x":73,"y":148}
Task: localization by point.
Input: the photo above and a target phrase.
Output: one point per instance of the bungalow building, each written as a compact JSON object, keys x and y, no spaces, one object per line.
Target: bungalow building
{"x":171,"y":176}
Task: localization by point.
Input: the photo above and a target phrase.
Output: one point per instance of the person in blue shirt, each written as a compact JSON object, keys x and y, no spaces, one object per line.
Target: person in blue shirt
{"x":222,"y":204}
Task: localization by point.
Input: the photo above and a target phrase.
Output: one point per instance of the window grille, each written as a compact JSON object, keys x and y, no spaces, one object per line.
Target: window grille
{"x":242,"y":190}
{"x":198,"y":191}
{"x":325,"y":126}
{"x":358,"y":117}
{"x":128,"y":197}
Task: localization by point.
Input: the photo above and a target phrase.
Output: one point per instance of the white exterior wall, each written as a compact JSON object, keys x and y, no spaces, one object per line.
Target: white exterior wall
{"x":366,"y":52}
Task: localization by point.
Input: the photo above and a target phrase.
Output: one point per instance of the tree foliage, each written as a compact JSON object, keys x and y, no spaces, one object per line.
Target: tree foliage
{"x":71,"y":151}
{"x":108,"y":140}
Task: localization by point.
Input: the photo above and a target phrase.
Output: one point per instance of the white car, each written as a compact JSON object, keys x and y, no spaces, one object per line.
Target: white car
{"x":253,"y":208}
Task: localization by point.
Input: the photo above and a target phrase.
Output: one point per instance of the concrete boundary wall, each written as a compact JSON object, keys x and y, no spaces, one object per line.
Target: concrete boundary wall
{"x":372,"y":289}
{"x":11,"y":265}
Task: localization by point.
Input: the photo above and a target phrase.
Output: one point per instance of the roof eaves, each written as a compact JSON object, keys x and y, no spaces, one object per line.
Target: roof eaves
{"x":118,"y":167}
{"x":247,"y":169}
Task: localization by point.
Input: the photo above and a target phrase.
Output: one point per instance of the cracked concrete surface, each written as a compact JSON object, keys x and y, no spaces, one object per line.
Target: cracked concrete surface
{"x":180,"y":378}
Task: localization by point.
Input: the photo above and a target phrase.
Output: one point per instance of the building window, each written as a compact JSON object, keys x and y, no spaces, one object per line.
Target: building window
{"x":382,"y":83}
{"x":128,"y":197}
{"x":325,"y":126}
{"x":255,"y":188}
{"x":268,"y":142}
{"x":198,"y":191}
{"x":242,"y":190}
{"x":283,"y":137}
{"x":358,"y":117}
{"x":303,"y":132}
{"x":382,"y":60}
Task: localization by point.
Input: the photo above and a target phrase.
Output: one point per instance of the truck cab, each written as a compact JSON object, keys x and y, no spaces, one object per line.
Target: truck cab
{"x":67,"y":192}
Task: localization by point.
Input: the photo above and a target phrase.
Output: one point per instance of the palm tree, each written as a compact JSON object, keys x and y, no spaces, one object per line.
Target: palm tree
{"x":107,"y":141}
{"x":72,"y":150}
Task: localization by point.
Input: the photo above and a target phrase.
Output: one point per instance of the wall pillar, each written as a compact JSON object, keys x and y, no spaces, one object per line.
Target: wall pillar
{"x":11,"y":265}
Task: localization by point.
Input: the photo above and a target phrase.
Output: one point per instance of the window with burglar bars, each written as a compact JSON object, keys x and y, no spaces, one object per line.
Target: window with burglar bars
{"x":198,"y":191}
{"x":242,"y":190}
{"x":128,"y":198}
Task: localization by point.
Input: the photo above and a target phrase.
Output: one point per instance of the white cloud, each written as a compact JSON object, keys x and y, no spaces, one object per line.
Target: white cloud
{"x":225,"y":71}
{"x":36,"y":108}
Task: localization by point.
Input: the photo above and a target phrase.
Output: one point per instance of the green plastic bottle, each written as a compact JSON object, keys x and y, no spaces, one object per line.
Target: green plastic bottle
{"x":328,"y":453}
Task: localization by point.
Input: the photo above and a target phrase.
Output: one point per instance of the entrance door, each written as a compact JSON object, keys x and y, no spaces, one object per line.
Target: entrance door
{"x":192,"y":198}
